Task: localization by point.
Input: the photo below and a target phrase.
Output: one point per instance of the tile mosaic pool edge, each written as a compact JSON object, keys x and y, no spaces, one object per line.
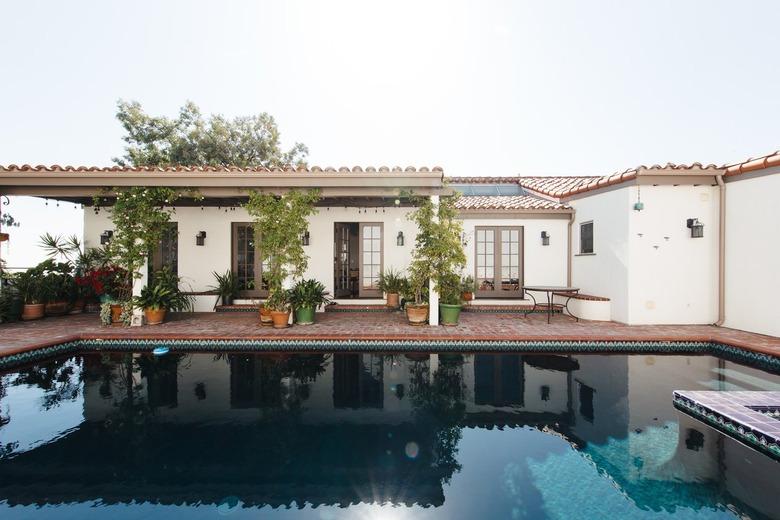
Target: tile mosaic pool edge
{"x":756,"y":359}
{"x":727,"y":426}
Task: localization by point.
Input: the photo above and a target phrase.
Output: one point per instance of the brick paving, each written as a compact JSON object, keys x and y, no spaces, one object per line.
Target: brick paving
{"x":16,"y":337}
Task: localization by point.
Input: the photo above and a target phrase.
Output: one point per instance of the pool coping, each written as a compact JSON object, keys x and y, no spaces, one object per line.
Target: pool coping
{"x":389,"y":343}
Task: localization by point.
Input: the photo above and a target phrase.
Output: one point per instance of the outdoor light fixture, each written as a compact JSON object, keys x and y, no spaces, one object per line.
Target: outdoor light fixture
{"x":200,"y":238}
{"x":696,"y":227}
{"x":305,"y":239}
{"x":545,"y":238}
{"x":399,"y":240}
{"x":105,"y":237}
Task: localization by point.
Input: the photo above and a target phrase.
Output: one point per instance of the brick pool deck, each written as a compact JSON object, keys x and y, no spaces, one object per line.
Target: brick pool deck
{"x":19,"y":337}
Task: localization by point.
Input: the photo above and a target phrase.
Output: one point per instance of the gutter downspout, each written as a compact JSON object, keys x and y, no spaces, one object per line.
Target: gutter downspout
{"x":721,"y":252}
{"x":568,"y":250}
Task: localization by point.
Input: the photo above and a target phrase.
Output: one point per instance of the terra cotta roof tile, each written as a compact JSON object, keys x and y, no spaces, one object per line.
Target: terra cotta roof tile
{"x":509,"y":202}
{"x":225,"y":169}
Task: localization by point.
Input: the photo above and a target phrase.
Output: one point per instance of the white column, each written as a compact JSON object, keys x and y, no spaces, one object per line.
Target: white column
{"x":433,"y":300}
{"x":434,"y":363}
{"x":138,"y":285}
{"x":289,"y":283}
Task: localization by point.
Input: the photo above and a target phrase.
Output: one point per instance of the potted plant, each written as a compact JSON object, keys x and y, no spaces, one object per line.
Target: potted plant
{"x":467,"y":286}
{"x":161,"y":295}
{"x":417,"y":296}
{"x":279,"y":223}
{"x":391,"y":282}
{"x":438,"y":252}
{"x":59,"y":287}
{"x":449,"y":298}
{"x":306,"y":297}
{"x":31,"y":290}
{"x":226,"y":287}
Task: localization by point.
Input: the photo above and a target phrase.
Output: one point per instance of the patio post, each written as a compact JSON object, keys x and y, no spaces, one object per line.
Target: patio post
{"x":138,"y":285}
{"x":433,"y":296}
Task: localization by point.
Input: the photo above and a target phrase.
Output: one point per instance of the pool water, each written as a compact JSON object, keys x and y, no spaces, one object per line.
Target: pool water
{"x":367,"y":435}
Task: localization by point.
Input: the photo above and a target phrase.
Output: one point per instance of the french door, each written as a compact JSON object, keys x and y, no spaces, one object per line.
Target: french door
{"x":499,"y":261}
{"x":246,"y":261}
{"x":371,"y":252}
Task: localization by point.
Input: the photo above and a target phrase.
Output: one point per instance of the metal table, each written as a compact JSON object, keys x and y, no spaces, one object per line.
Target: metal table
{"x":549,"y":290}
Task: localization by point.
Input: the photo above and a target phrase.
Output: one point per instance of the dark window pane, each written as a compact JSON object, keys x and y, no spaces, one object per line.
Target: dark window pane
{"x":586,"y":237}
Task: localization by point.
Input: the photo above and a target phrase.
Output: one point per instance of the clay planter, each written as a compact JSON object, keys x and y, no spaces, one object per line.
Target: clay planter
{"x":56,"y":308}
{"x":116,"y":313}
{"x":265,"y":317}
{"x":33,"y":311}
{"x":467,"y":296}
{"x":154,"y":316}
{"x":78,"y":307}
{"x":392,"y":300}
{"x":417,"y":314}
{"x":281,"y":319}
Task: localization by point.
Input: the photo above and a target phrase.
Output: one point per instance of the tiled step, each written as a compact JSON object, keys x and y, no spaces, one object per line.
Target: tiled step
{"x":340,"y":307}
{"x":246,"y":307}
{"x":510,"y":308}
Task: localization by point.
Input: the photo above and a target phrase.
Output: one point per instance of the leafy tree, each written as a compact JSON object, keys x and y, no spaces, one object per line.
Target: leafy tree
{"x":192,"y":140}
{"x":6,"y":220}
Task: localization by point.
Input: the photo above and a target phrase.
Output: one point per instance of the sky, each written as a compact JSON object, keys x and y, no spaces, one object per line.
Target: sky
{"x":477,"y":87}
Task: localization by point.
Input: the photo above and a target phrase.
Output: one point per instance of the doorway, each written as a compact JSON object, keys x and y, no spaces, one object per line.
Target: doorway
{"x":358,"y":259}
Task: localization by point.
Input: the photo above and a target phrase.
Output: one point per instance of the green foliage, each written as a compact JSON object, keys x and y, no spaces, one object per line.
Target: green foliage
{"x":438,"y":252}
{"x":308,"y":293}
{"x":46,"y":282}
{"x":278,"y":300}
{"x":192,"y":140}
{"x":227,"y":284}
{"x":279,"y":223}
{"x":450,"y":289}
{"x":392,"y":281}
{"x":105,"y":313}
{"x":467,"y":284}
{"x":164,"y":293}
{"x":140,"y":220}
{"x":7,"y":220}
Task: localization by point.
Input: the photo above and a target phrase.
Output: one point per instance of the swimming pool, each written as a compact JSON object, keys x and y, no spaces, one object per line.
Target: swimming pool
{"x":373,"y":435}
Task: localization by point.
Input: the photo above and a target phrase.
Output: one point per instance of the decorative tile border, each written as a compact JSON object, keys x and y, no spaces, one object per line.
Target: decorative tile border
{"x":763,"y":361}
{"x":736,"y":414}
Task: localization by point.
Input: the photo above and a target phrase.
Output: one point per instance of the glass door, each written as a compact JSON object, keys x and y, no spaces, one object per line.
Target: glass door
{"x":370,"y":259}
{"x":499,"y":261}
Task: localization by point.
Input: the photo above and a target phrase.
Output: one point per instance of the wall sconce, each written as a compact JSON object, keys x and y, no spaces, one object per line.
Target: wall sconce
{"x":545,"y":238}
{"x":105,"y":237}
{"x":305,"y":239}
{"x":399,"y":240}
{"x":200,"y":238}
{"x":696,"y":227}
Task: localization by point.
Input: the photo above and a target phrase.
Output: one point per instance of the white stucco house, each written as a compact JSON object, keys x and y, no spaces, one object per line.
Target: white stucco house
{"x":674,"y":244}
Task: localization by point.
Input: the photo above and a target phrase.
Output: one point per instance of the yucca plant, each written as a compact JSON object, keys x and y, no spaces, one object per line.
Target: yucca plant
{"x":226,"y":287}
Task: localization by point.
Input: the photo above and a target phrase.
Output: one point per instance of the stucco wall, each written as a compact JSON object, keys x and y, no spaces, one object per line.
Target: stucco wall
{"x":542,"y":265}
{"x":673,"y":280}
{"x":753,"y":254}
{"x":605,"y":272}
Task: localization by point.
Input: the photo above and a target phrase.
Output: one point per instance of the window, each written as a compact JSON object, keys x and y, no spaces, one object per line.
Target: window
{"x":167,"y":251}
{"x":498,"y":261}
{"x":246,"y":261}
{"x":586,"y":237}
{"x":370,"y":259}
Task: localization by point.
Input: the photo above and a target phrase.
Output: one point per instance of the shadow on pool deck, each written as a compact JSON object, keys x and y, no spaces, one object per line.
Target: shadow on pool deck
{"x":16,"y":337}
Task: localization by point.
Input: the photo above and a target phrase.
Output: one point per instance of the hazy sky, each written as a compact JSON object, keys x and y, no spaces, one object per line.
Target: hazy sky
{"x":479,"y":88}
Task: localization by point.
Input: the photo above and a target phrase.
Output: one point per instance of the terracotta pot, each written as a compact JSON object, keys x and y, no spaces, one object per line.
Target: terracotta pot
{"x":392,"y":300}
{"x":33,"y":311}
{"x":78,"y":307}
{"x":154,"y":316}
{"x":417,"y":314}
{"x":56,"y":308}
{"x":281,"y":319}
{"x":467,"y":296}
{"x":265,"y":317}
{"x":116,"y":313}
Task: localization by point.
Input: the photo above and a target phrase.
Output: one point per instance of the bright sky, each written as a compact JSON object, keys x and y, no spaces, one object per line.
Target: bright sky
{"x":479,"y":88}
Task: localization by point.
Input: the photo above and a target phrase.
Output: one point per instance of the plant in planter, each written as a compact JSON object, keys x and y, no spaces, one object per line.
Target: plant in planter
{"x":306,"y":297}
{"x":449,"y":298}
{"x":467,"y":287}
{"x":279,"y":224}
{"x":226,"y":287}
{"x":161,"y":296}
{"x":392,"y":283}
{"x":438,"y":252}
{"x":59,"y":287}
{"x":30,"y":286}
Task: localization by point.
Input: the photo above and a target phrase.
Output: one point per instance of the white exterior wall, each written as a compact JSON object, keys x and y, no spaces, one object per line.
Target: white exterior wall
{"x":542,"y":265}
{"x":753,"y":254}
{"x":605,"y":272}
{"x":674,"y":280}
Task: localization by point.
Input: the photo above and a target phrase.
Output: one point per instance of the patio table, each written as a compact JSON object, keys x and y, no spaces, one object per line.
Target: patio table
{"x":549,"y":290}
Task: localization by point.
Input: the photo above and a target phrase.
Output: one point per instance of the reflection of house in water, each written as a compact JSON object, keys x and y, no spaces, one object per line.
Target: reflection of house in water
{"x":337,"y":428}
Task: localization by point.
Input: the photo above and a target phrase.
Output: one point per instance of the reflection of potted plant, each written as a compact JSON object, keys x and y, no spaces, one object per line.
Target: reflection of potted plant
{"x":31,"y":290}
{"x":162,"y":295}
{"x":449,"y":298}
{"x":467,"y":288}
{"x":392,"y":284}
{"x":305,"y":298}
{"x":226,"y":287}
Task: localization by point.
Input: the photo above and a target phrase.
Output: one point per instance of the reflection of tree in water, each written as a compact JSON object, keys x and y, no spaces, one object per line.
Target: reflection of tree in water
{"x":57,"y":378}
{"x":439,"y":407}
